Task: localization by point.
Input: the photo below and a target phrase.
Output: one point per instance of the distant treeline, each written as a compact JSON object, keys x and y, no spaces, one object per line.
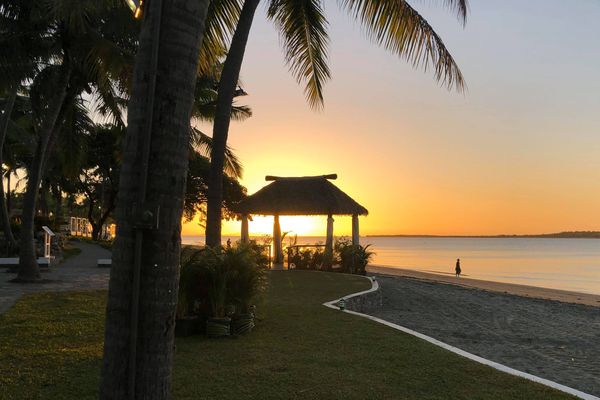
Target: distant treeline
{"x":560,"y":235}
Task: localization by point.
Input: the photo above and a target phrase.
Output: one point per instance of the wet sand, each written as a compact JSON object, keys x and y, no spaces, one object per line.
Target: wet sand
{"x":501,"y":287}
{"x":556,"y":340}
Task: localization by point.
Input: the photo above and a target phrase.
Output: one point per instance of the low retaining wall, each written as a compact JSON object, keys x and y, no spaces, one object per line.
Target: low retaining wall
{"x":366,"y":301}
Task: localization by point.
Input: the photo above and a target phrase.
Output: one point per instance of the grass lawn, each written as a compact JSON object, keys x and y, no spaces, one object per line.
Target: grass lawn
{"x":51,"y":348}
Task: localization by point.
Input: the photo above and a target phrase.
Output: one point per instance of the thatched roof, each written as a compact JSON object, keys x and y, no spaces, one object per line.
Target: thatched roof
{"x":307,"y":195}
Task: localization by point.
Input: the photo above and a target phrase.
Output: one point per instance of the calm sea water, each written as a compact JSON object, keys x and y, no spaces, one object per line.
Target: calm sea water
{"x":568,"y":264}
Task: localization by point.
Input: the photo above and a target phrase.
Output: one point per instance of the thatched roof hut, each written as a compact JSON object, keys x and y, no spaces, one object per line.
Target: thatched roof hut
{"x":306,"y":195}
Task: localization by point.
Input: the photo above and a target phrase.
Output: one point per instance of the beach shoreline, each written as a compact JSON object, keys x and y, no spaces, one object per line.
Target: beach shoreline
{"x":535,"y":292}
{"x":555,"y":340}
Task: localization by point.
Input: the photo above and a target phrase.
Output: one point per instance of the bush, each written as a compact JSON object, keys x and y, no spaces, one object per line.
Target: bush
{"x":247,"y":279}
{"x":307,"y":258}
{"x":263,"y":256}
{"x":353,"y":259}
{"x":193,"y":283}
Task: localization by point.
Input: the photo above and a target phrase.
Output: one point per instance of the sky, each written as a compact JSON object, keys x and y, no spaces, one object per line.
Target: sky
{"x":519,"y":152}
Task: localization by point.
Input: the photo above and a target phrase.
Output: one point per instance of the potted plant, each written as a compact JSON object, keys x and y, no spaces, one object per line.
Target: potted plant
{"x":247,"y":282}
{"x":190,"y":276}
{"x":218,"y":271}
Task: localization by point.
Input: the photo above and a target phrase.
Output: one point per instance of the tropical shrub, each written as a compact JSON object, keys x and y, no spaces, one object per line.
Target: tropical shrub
{"x":193,"y":282}
{"x":263,"y":253}
{"x":353,"y":259}
{"x":307,"y":257}
{"x":247,"y":279}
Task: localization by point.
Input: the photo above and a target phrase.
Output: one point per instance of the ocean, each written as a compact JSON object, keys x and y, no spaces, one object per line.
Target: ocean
{"x":567,"y":264}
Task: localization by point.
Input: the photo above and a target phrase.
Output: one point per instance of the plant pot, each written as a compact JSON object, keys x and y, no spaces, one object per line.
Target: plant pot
{"x":218,"y":327}
{"x":242,"y":324}
{"x":186,"y":326}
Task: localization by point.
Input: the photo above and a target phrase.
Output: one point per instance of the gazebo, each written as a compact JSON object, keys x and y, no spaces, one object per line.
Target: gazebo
{"x":306,"y":195}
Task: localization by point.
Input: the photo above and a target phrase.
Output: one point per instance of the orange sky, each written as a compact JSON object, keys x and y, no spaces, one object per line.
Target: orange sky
{"x":518,"y":153}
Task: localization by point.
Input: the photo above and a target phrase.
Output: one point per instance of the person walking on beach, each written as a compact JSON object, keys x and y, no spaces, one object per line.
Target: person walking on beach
{"x":457,"y":269}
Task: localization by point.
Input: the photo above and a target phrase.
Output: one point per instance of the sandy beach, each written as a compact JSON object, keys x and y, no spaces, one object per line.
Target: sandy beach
{"x":501,"y":287}
{"x":534,"y":330}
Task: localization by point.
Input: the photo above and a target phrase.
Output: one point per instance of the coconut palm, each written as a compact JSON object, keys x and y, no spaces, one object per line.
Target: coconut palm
{"x":4,"y":122}
{"x":50,"y":82}
{"x":80,"y":40}
{"x":144,"y":276}
{"x":392,"y":24}
{"x":24,"y":47}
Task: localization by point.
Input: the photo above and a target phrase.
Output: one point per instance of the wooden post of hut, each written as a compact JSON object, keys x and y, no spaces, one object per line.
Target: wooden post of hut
{"x":355,"y":233}
{"x":277,"y":249}
{"x":329,"y":241}
{"x":245,"y":236}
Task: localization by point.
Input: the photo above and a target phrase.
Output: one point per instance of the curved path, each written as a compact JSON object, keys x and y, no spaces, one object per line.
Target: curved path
{"x":79,"y":272}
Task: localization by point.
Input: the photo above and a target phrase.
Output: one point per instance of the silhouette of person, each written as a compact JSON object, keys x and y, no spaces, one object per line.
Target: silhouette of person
{"x":457,"y":269}
{"x":228,"y":243}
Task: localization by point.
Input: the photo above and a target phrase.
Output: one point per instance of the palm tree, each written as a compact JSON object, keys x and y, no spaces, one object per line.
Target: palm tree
{"x":145,"y":272}
{"x":68,"y":63}
{"x":4,"y":122}
{"x":393,"y":24}
{"x":24,"y":47}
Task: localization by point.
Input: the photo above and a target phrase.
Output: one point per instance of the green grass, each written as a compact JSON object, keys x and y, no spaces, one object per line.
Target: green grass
{"x":51,"y":345}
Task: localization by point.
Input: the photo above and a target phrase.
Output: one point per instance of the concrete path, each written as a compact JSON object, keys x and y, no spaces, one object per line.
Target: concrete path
{"x":76,"y":273}
{"x":550,"y":339}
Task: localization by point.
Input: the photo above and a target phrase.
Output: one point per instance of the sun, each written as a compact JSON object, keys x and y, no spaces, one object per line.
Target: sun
{"x":301,"y":225}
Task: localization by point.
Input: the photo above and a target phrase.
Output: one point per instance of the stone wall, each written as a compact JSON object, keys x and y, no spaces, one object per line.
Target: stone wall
{"x":365,"y":302}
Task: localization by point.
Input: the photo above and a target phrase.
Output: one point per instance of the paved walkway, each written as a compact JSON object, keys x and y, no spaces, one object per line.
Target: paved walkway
{"x":554,"y":340}
{"x":79,"y":272}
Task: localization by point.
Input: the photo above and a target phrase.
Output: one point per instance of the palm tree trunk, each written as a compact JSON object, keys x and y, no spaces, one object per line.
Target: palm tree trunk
{"x":8,"y":191}
{"x":90,"y":218}
{"x":43,"y":197}
{"x":10,"y":103}
{"x":58,"y":213}
{"x":181,"y":33}
{"x":227,"y":86}
{"x":29,"y":270}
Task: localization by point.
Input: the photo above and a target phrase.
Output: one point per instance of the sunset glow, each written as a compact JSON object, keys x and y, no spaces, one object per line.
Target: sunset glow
{"x":518,"y":153}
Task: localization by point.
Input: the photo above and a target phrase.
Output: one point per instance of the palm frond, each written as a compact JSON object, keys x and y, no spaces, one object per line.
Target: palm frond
{"x":74,"y":136}
{"x":460,"y":7}
{"x":221,"y":20}
{"x":206,"y":112}
{"x":240,"y":113}
{"x":24,"y":41}
{"x":76,"y":15}
{"x":399,"y":28}
{"x":203,"y":143}
{"x":206,"y":93}
{"x":303,"y":29}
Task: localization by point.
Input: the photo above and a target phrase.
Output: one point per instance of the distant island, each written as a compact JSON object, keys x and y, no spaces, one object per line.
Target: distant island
{"x":559,"y":235}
